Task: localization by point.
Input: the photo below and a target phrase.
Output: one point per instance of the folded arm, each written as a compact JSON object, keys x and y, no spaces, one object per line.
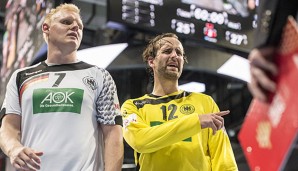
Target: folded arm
{"x":146,"y":139}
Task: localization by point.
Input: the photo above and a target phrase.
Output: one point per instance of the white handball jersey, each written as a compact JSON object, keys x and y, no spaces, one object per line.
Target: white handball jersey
{"x":61,"y":106}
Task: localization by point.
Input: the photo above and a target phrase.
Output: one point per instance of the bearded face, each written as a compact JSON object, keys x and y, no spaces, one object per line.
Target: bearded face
{"x":169,"y":61}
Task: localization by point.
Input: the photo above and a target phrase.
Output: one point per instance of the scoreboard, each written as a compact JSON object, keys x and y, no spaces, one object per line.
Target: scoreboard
{"x":223,"y":23}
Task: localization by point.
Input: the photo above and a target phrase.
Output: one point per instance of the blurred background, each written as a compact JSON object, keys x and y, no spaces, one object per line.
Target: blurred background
{"x":217,"y":37}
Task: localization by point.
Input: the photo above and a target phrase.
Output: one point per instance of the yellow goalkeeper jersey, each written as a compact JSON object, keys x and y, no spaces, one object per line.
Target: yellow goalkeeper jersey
{"x":166,"y":134}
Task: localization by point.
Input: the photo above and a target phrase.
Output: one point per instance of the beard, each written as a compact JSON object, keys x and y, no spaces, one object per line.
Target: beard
{"x":169,"y":74}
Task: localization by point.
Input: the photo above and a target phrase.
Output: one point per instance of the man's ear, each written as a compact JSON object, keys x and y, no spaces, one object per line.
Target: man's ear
{"x":150,"y":61}
{"x":45,"y":27}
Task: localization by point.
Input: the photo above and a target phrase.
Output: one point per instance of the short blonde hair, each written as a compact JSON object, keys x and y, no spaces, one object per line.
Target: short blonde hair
{"x":66,"y":7}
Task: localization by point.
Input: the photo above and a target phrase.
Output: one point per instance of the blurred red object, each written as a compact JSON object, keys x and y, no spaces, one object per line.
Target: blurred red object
{"x":270,"y":129}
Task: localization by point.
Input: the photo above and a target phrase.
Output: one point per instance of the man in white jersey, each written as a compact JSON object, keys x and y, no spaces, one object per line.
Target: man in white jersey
{"x":62,"y":114}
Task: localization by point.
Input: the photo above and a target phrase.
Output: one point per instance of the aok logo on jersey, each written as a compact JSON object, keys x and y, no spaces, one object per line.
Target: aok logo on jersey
{"x":57,"y":100}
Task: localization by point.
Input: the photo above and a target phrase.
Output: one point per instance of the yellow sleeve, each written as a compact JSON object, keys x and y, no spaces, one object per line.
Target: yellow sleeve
{"x":222,"y":156}
{"x":145,"y":139}
{"x":221,"y":152}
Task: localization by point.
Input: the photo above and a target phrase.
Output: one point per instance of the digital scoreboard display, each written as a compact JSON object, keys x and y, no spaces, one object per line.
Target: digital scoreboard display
{"x":223,"y":23}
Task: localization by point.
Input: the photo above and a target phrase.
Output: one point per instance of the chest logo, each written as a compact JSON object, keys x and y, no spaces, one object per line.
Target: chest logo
{"x":49,"y":100}
{"x":187,"y":109}
{"x":90,"y":82}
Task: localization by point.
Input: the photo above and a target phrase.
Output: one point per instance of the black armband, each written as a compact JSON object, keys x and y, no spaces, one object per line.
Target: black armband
{"x":2,"y":113}
{"x":118,"y":120}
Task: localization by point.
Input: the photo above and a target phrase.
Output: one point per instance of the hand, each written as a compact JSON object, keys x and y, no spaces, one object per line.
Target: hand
{"x":215,"y":121}
{"x":262,"y":69}
{"x":25,"y":159}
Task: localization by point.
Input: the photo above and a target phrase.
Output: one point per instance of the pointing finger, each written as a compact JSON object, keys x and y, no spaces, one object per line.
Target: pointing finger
{"x":223,"y":113}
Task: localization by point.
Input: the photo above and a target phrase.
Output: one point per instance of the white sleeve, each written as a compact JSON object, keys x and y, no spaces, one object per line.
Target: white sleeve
{"x":12,"y":101}
{"x":107,"y":104}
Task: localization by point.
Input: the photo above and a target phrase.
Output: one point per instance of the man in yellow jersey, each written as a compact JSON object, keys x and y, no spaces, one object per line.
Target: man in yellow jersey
{"x":172,"y":129}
